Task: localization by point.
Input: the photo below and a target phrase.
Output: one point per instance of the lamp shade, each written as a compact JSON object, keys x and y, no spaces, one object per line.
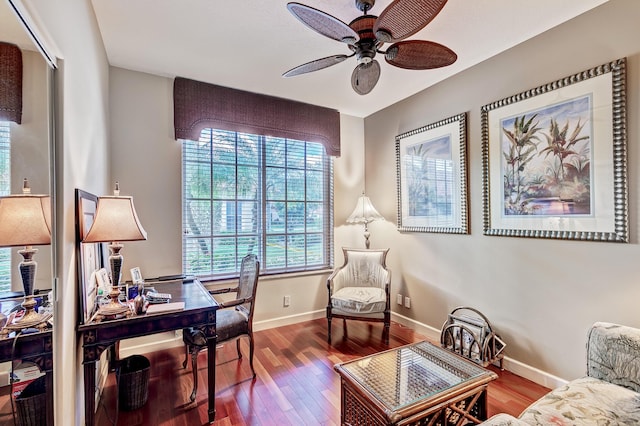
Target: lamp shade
{"x":364,"y":212}
{"x":116,"y":220}
{"x":25,"y":220}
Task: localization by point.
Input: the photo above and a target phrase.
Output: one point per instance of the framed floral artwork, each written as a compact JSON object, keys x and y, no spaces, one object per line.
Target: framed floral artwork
{"x":554,"y":159}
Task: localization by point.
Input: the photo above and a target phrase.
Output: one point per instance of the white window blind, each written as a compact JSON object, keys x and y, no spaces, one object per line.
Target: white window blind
{"x":245,"y":193}
{"x":5,"y":189}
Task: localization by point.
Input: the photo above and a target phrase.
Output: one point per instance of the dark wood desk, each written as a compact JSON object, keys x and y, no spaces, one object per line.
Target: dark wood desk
{"x":199,"y":310}
{"x":36,"y":348}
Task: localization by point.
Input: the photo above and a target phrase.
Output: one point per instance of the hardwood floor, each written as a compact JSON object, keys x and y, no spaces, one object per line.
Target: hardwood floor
{"x":295,"y":383}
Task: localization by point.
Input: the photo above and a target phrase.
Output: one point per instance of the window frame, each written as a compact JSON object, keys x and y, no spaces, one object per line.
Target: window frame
{"x":325,"y":232}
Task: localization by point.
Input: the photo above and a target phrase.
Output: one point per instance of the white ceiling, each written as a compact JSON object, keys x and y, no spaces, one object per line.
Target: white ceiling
{"x":248,"y":44}
{"x":11,"y":29}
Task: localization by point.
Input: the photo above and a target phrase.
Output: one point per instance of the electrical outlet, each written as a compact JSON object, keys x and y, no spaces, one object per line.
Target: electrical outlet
{"x":287,"y":301}
{"x":399,"y":299}
{"x":407,"y":302}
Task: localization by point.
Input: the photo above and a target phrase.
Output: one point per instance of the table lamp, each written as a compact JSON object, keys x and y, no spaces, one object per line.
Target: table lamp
{"x":364,"y":213}
{"x":25,"y":220}
{"x":116,"y":220}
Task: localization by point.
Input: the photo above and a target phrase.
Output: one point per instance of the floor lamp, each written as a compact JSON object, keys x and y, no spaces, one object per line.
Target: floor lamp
{"x":364,"y":213}
{"x":116,"y":221}
{"x":25,"y":220}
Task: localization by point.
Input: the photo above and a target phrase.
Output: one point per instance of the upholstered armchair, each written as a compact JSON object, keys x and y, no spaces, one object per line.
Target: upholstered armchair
{"x":360,"y":289}
{"x":234,"y":319}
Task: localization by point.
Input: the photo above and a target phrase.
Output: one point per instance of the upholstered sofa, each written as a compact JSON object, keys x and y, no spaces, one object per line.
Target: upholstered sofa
{"x":607,"y":395}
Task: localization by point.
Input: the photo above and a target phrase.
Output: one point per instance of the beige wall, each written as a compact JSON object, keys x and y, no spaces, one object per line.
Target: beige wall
{"x":81,"y":162}
{"x":541,"y":295}
{"x":146,"y":160}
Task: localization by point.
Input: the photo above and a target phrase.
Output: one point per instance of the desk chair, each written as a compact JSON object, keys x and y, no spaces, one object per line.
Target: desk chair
{"x":234,"y":319}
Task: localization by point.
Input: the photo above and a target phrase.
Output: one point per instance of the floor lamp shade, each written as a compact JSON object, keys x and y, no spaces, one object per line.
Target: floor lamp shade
{"x":364,"y":212}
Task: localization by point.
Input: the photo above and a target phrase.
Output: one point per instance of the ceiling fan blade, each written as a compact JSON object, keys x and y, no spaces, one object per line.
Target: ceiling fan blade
{"x":316,"y":65}
{"x":323,"y":23}
{"x":403,"y":18}
{"x":365,"y":77}
{"x":419,"y":55}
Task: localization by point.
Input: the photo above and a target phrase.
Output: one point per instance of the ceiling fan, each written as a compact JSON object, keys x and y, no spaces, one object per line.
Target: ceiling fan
{"x":366,"y":34}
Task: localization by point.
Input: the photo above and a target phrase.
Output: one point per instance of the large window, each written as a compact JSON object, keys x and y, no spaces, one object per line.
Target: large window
{"x":5,"y":189}
{"x":245,"y":193}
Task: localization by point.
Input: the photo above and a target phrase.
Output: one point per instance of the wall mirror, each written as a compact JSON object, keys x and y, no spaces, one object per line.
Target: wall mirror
{"x":26,"y":148}
{"x":27,"y":151}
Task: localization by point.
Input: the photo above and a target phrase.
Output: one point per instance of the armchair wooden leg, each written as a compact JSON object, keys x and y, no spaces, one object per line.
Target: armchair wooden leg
{"x":385,"y":333}
{"x":387,"y":327}
{"x":328,"y":326}
{"x":251,"y":355}
{"x":194,"y":368}
{"x":238,"y":349}
{"x":186,"y":356}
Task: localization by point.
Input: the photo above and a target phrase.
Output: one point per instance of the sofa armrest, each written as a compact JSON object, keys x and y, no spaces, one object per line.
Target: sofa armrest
{"x":613,"y":354}
{"x":504,"y":419}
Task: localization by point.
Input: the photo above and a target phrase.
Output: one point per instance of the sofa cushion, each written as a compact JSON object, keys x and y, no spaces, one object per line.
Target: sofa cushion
{"x":585,"y":401}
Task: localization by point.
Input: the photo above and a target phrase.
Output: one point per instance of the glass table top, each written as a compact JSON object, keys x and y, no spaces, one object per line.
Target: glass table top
{"x":402,"y":376}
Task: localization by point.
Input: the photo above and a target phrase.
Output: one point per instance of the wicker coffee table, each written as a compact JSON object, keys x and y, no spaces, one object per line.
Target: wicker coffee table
{"x":417,"y":384}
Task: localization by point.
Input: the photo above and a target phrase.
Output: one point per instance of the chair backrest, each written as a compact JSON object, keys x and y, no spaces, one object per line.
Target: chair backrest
{"x":363,"y":268}
{"x":248,"y":283}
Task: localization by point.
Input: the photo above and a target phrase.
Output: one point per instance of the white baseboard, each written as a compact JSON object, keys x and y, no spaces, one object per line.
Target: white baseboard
{"x":516,"y":367}
{"x":288,"y":320}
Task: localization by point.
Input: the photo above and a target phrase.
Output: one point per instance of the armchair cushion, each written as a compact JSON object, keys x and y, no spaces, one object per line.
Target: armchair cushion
{"x":360,"y":300}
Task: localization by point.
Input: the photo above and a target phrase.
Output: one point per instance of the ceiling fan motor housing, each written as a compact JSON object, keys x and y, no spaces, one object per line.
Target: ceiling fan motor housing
{"x":365,"y":48}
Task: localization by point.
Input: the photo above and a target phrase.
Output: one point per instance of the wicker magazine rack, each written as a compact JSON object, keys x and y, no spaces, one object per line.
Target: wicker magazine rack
{"x":468,"y":332}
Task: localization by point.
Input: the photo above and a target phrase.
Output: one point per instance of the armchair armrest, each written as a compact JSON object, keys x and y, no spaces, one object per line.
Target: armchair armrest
{"x":223,"y":290}
{"x":613,"y":354}
{"x":235,"y":302}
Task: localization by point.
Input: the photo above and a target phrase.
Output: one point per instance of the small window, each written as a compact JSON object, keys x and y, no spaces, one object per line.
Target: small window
{"x":245,"y":193}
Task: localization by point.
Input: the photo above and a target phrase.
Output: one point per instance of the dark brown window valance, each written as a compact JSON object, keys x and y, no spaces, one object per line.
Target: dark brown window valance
{"x":10,"y":83}
{"x":198,"y":105}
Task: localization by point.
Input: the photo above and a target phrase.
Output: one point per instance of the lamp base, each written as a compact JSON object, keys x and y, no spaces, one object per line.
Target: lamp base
{"x":114,"y":306}
{"x":30,"y":319}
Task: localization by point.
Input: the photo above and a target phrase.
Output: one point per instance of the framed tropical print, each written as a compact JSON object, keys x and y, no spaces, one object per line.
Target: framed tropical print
{"x":431,"y":167}
{"x":554,"y":159}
